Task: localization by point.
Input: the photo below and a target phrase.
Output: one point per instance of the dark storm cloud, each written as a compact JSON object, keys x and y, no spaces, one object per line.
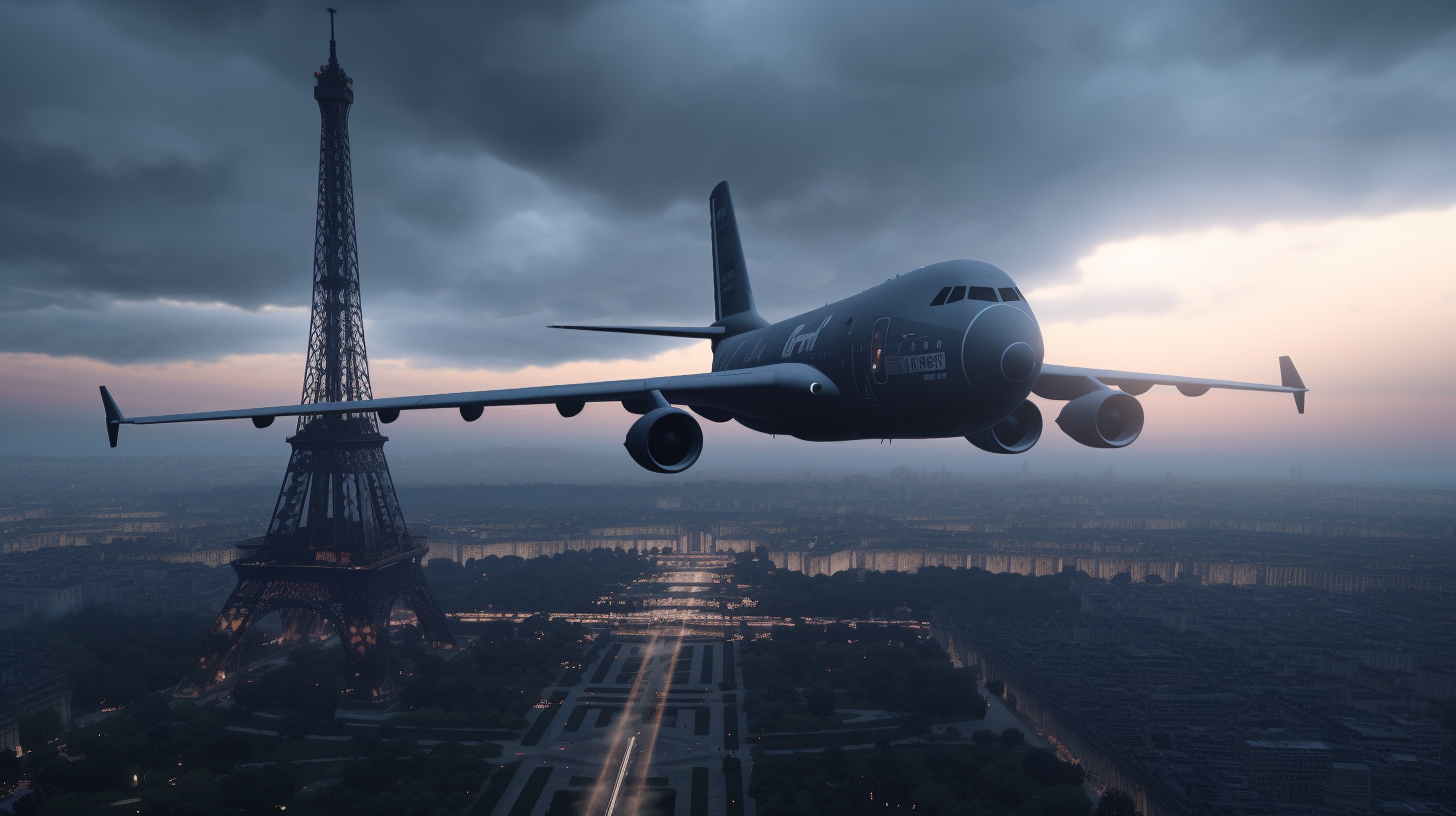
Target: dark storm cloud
{"x":521,"y":164}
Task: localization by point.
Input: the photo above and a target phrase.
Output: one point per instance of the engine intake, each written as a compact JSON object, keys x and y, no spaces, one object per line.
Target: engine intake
{"x":665,"y":440}
{"x":1103,"y":419}
{"x":1014,"y":434}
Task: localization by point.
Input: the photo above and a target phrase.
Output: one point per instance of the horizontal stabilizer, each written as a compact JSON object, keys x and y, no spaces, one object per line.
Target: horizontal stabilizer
{"x":703,"y":333}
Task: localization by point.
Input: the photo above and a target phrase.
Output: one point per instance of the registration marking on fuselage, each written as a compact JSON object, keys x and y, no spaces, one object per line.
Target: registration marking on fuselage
{"x":915,"y":363}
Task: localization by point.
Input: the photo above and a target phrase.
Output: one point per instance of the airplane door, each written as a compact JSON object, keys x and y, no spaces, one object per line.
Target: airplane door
{"x":862,"y":354}
{"x":877,"y":351}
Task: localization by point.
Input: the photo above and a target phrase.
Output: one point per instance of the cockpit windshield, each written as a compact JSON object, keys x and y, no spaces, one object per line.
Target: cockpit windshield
{"x":951,"y":294}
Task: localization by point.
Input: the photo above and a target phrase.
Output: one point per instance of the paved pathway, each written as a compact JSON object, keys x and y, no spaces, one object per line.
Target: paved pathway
{"x":586,"y":734}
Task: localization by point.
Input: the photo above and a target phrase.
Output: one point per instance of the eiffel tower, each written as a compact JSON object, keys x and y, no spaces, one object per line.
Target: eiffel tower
{"x":337,"y":545}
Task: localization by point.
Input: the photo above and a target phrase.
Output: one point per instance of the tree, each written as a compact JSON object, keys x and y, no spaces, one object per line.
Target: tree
{"x":1116,"y":803}
{"x":1062,"y":800}
{"x":820,"y":699}
{"x":1012,"y":737}
{"x":259,"y":790}
{"x":836,"y":761}
{"x":984,"y":736}
{"x":996,"y":687}
{"x":197,"y":793}
{"x":38,"y":728}
{"x":1121,"y":579}
{"x":931,"y":796}
{"x":1043,"y":768}
{"x":916,"y":725}
{"x":1153,"y":578}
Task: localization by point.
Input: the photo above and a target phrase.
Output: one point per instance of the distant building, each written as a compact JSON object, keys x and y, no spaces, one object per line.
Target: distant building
{"x":1194,"y":709}
{"x":29,"y":682}
{"x":1349,"y":786}
{"x":651,"y":538}
{"x":1376,"y":741}
{"x":1294,"y":772}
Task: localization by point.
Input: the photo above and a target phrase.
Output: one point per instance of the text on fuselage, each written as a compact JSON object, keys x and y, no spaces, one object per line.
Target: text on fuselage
{"x":801,"y":341}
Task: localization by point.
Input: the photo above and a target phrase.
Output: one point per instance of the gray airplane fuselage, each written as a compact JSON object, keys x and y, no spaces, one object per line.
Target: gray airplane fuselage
{"x":904,"y":368}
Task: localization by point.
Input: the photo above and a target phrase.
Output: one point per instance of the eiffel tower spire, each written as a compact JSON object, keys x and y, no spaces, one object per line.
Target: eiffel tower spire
{"x":338,"y":361}
{"x":337,"y":544}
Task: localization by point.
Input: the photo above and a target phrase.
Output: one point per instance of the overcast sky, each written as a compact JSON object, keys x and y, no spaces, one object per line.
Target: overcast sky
{"x":518,"y":164}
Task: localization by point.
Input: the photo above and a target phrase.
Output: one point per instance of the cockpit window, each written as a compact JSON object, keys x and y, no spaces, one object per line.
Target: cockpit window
{"x":1008,"y":294}
{"x":981,"y":293}
{"x":940,"y":298}
{"x":958,"y":293}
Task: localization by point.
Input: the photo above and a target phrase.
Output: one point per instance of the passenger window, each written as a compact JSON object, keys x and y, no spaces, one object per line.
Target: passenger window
{"x":1008,"y":294}
{"x":981,"y":293}
{"x":958,"y":293}
{"x":940,"y":298}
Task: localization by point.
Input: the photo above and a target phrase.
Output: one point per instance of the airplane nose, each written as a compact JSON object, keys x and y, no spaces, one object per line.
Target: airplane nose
{"x":1002,"y":352}
{"x":1017,"y":361}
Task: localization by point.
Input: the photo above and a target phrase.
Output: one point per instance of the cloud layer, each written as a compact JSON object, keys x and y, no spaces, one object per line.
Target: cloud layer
{"x":519,"y":164}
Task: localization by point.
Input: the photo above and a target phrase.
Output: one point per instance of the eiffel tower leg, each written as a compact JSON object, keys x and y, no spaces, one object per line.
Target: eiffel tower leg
{"x":427,"y":609}
{"x":243,"y":608}
{"x":297,"y":624}
{"x":364,"y":630}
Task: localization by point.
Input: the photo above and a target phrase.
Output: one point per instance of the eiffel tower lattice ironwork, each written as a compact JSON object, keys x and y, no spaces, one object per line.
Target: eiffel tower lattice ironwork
{"x":337,"y":545}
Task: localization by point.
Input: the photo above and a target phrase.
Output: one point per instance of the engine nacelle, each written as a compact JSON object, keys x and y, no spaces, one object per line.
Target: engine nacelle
{"x":1014,"y":434}
{"x":665,"y":440}
{"x":1103,"y":419}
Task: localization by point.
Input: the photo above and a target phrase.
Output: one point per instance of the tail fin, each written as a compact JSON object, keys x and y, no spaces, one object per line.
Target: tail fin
{"x":731,"y":292}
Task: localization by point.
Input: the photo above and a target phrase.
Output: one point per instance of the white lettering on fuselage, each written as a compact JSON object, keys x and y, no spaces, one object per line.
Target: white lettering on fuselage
{"x":915,"y":363}
{"x":801,"y":341}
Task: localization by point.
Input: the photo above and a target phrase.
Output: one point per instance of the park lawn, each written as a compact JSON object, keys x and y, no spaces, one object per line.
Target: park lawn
{"x":293,"y":750}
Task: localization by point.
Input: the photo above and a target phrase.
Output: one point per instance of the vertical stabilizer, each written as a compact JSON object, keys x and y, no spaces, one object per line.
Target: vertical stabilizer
{"x":731,"y":293}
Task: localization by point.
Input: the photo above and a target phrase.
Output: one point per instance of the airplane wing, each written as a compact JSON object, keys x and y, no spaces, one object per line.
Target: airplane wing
{"x":700,"y":332}
{"x":1068,"y":382}
{"x":736,"y":391}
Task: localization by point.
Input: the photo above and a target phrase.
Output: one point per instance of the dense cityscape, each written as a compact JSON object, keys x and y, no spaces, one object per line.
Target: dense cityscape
{"x":1202,"y":646}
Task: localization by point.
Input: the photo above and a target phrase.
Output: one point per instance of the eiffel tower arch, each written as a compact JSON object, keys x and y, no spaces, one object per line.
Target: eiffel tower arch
{"x":337,"y":545}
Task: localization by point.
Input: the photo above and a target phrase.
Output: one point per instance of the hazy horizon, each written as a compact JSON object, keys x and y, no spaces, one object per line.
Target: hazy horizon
{"x":568,"y":466}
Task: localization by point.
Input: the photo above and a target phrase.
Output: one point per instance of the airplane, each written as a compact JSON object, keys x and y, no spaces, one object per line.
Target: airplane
{"x":948,"y":350}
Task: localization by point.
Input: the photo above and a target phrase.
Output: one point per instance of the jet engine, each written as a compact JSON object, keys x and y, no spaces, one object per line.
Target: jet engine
{"x":1103,"y":419}
{"x":665,"y":440}
{"x":1014,"y":434}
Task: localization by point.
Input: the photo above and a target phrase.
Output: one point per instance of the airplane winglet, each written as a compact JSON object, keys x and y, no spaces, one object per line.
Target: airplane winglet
{"x":1290,"y":378}
{"x":113,"y":415}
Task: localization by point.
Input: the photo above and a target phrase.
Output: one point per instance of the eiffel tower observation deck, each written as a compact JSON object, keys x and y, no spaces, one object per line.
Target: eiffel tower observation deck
{"x":337,"y":545}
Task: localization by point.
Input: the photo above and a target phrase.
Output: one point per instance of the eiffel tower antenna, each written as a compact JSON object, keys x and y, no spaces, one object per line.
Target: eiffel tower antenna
{"x":337,"y":545}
